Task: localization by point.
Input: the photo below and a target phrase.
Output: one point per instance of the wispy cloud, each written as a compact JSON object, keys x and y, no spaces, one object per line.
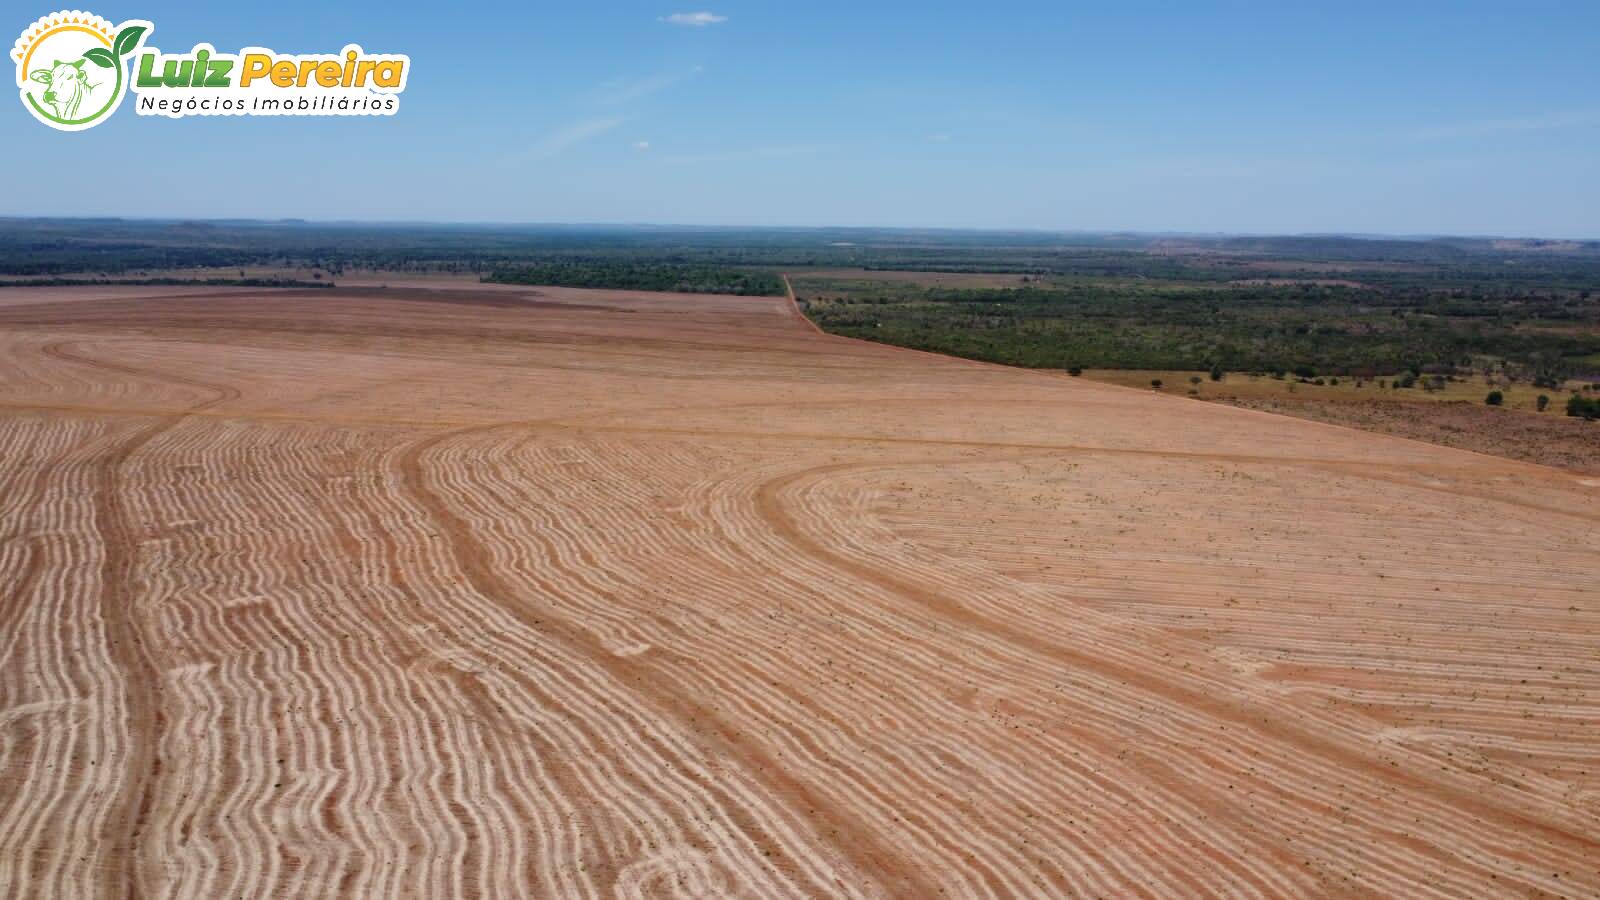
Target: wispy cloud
{"x":694,"y":19}
{"x":940,"y":138}
{"x":641,"y":146}
{"x":619,"y":91}
{"x":1505,"y":126}
{"x":748,"y":154}
{"x":568,"y":136}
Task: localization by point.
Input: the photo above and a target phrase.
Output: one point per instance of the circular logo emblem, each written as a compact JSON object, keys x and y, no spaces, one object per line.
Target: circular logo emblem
{"x":72,"y":67}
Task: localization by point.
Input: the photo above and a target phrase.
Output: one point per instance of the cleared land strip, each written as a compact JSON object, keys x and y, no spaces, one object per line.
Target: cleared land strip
{"x":591,"y":594}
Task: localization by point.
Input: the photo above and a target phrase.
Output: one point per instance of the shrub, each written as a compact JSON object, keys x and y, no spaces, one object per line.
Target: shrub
{"x":1075,"y":371}
{"x":1155,"y":383}
{"x":1580,"y":407}
{"x":1216,"y":373}
{"x":1495,"y":398}
{"x":1543,"y":402}
{"x":1194,"y":379}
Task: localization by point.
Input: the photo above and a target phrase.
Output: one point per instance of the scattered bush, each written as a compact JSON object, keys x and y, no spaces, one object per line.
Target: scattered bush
{"x":1075,"y":371}
{"x":1580,"y":407}
{"x":1495,"y":398}
{"x":1543,"y":402}
{"x":1216,"y":373}
{"x":1155,"y":383}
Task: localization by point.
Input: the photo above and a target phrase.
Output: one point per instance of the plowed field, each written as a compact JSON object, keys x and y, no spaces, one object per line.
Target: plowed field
{"x":448,"y":590}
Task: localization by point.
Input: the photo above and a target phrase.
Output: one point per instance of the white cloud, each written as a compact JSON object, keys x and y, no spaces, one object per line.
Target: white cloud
{"x":558,"y":141}
{"x":641,"y":145}
{"x":940,"y":138}
{"x":694,"y":19}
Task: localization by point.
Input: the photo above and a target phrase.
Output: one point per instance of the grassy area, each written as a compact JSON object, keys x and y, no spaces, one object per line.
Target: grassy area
{"x":1519,"y":397}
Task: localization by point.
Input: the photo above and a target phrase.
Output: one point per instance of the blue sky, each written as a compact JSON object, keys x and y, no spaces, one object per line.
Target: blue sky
{"x":1398,"y":117}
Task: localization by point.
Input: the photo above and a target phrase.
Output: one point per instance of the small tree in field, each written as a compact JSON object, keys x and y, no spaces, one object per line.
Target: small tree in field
{"x":1155,"y":383}
{"x":1543,"y":402}
{"x":1216,"y":373}
{"x":1495,"y":398}
{"x":1580,"y":407}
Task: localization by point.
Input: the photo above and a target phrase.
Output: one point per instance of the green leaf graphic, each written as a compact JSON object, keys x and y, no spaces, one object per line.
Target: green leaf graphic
{"x":100,"y":56}
{"x":128,"y":38}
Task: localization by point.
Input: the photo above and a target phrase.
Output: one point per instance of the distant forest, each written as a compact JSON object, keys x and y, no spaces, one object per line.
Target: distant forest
{"x":1543,"y":334}
{"x":678,"y":278}
{"x":45,"y":247}
{"x":1323,"y":303}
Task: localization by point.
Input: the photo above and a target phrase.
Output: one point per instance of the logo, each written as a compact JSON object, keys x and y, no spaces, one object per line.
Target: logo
{"x":71,"y":67}
{"x":74,"y":68}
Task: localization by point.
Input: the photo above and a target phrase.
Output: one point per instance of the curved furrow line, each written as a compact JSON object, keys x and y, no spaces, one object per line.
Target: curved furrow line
{"x":597,"y":785}
{"x":563,"y":599}
{"x":600,"y":526}
{"x":605,"y":527}
{"x":902,"y":702}
{"x":612,"y":453}
{"x":580,"y":514}
{"x":860,"y":849}
{"x":642,"y":726}
{"x":385,"y":558}
{"x":1558,"y":834}
{"x":64,"y":736}
{"x":141,"y":677}
{"x":1133,"y":703}
{"x":898,"y":642}
{"x":298,"y":800}
{"x":633,"y":790}
{"x":30,"y":374}
{"x":1303,"y":637}
{"x":588,"y":517}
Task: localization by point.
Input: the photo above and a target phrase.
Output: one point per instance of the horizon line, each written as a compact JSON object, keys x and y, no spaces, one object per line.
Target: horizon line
{"x":954,"y":229}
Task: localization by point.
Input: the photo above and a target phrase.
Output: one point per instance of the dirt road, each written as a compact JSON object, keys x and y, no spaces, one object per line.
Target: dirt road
{"x":457,"y":590}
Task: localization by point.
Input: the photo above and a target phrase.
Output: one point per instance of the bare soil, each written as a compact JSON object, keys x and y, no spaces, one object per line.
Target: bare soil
{"x":456,"y":590}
